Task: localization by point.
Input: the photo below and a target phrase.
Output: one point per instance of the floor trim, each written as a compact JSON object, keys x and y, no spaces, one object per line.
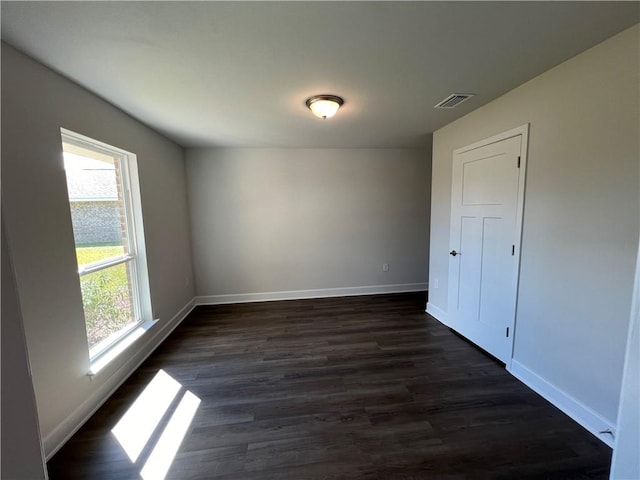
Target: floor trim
{"x":315,"y":293}
{"x":592,"y":421}
{"x":70,"y":425}
{"x":437,"y":313}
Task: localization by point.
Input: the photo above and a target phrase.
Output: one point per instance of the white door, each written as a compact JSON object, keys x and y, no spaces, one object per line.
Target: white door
{"x":486,"y":203}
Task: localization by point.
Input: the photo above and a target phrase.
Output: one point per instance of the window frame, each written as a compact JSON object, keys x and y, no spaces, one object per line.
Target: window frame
{"x":135,"y":253}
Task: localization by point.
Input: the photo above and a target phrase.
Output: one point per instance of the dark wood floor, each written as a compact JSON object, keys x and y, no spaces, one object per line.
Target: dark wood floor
{"x":357,"y":388}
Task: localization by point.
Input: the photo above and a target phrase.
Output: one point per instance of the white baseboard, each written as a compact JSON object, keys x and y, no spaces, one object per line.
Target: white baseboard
{"x":437,"y":313}
{"x":316,"y":293}
{"x":70,"y":425}
{"x":589,"y":419}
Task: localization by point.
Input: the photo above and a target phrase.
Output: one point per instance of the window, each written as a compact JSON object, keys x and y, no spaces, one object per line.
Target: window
{"x":107,"y":228}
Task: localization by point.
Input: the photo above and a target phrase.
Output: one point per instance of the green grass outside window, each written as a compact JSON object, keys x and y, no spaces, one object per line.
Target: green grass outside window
{"x":106,"y":294}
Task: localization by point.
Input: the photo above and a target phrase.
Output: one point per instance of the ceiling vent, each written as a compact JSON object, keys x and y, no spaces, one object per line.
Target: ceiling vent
{"x":453,"y":100}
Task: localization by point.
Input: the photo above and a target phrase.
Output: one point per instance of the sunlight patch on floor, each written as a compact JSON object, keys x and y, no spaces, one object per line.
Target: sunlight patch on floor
{"x":139,"y":422}
{"x":165,"y":450}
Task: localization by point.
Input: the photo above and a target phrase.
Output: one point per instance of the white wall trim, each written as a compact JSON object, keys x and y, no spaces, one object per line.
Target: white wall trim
{"x":315,"y":293}
{"x":437,"y":313}
{"x":70,"y":425}
{"x":625,"y":461}
{"x":585,"y":416}
{"x":514,"y":132}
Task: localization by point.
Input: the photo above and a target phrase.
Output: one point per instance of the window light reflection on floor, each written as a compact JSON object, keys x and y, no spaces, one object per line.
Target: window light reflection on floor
{"x":137,"y":425}
{"x":165,"y":450}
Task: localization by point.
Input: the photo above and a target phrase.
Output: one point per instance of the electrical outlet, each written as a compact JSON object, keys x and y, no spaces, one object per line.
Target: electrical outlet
{"x":385,"y":267}
{"x":436,"y":283}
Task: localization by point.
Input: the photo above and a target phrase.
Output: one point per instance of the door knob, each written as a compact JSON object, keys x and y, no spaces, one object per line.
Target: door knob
{"x":453,"y":253}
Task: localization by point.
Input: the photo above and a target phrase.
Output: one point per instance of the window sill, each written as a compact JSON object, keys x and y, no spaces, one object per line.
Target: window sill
{"x":112,"y":353}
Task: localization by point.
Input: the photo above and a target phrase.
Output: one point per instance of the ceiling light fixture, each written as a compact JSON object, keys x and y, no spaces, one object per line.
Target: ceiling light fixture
{"x":324,"y":106}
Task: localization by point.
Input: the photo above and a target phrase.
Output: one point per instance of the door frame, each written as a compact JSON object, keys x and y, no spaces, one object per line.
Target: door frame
{"x":523,"y":131}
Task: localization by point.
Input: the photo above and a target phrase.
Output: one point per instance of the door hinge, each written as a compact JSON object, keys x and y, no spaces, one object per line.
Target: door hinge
{"x":507,"y":331}
{"x":518,"y":162}
{"x":513,"y":250}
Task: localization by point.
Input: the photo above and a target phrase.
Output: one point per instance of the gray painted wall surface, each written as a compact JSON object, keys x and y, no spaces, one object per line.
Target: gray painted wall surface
{"x":22,"y":456}
{"x":580,"y":219}
{"x":36,"y":102}
{"x":269,"y":220}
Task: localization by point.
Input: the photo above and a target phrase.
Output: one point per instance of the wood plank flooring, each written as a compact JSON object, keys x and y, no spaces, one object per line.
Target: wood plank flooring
{"x":363,"y":387}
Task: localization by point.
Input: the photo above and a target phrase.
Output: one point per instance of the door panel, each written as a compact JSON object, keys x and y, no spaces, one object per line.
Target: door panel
{"x":470,"y":232}
{"x":496,"y":259}
{"x":485,"y":181}
{"x":484,"y":203}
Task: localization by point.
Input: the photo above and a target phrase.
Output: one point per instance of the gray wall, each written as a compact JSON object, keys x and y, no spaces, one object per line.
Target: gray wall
{"x":36,"y":102}
{"x":580,"y":219}
{"x":22,"y":456}
{"x":271,"y":220}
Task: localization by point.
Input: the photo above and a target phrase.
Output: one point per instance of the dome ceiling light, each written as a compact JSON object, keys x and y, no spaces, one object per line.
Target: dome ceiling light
{"x":324,"y":106}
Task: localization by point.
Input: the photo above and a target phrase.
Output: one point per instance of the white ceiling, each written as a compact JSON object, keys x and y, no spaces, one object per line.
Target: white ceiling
{"x":238,"y":73}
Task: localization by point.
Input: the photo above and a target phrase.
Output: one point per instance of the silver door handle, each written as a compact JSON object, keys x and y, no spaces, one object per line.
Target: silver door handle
{"x":453,"y":253}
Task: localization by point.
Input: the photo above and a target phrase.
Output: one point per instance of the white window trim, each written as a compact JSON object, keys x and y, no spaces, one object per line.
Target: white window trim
{"x":109,"y":348}
{"x":102,"y":264}
{"x":120,"y":346}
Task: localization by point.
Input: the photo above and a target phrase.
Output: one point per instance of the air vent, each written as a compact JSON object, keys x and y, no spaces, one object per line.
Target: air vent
{"x":453,"y":100}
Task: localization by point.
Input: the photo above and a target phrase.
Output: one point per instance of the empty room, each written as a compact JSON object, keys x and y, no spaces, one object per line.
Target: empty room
{"x":320,"y":240}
